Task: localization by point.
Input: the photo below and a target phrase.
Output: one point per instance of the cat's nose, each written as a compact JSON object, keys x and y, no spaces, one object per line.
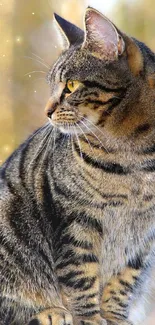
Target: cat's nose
{"x":54,"y":100}
{"x":50,"y":107}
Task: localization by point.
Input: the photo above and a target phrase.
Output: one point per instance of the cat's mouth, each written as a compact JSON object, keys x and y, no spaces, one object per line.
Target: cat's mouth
{"x":70,"y":123}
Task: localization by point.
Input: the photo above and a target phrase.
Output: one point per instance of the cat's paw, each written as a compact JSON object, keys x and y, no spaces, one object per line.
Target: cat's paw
{"x":52,"y":316}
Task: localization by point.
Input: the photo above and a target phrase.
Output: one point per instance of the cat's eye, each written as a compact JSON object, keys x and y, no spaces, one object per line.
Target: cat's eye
{"x":72,"y":85}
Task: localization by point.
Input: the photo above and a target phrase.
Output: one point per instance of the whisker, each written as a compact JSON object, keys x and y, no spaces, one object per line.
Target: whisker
{"x":41,"y":147}
{"x":98,"y":127}
{"x":72,"y":145}
{"x":38,"y":57}
{"x":92,"y":150}
{"x":118,"y":97}
{"x":78,"y":143}
{"x":69,"y":136}
{"x":93,"y":124}
{"x":36,"y":60}
{"x":31,"y":72}
{"x":54,"y":138}
{"x":64,"y":134}
{"x":45,"y":126}
{"x":46,"y":144}
{"x":102,"y":145}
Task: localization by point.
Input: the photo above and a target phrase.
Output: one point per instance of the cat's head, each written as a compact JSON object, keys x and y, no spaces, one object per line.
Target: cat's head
{"x":101,"y":80}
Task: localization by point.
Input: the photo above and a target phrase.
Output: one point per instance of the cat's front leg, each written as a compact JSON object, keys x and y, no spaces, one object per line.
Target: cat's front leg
{"x":77,"y":266}
{"x":117,"y":296}
{"x":78,"y":271}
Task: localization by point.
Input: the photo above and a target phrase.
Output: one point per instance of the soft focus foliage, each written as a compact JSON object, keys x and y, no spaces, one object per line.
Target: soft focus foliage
{"x":29,"y":46}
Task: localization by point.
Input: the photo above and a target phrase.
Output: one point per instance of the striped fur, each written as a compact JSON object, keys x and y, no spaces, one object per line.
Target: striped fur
{"x":77,"y":203}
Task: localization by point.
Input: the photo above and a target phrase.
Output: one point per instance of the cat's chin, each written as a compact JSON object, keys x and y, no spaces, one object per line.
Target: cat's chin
{"x":70,"y":130}
{"x":78,"y":128}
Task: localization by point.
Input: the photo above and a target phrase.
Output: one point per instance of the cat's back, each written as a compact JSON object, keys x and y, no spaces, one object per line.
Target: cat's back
{"x":22,"y":172}
{"x":26,"y":158}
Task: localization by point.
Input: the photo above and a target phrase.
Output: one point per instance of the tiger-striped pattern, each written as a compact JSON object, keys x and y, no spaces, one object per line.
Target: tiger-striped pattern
{"x":77,"y":203}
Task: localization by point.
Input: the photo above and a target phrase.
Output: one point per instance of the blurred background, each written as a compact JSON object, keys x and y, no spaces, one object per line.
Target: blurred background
{"x":29,"y":47}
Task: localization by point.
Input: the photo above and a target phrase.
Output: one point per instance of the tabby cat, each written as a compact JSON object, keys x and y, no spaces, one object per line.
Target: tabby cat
{"x":77,"y":203}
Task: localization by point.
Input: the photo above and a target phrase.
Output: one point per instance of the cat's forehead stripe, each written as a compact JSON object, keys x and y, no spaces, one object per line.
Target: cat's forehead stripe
{"x":61,"y":67}
{"x":64,"y":69}
{"x":57,"y":68}
{"x":62,"y":72}
{"x":57,"y":72}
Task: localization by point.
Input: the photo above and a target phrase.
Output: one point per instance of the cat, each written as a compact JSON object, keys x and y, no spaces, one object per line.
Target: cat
{"x":77,"y":202}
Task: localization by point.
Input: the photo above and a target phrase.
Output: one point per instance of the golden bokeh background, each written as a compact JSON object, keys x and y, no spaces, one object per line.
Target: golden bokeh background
{"x":29,"y":46}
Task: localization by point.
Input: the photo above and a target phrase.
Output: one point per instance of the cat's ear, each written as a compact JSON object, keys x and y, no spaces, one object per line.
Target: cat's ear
{"x":101,"y":36}
{"x":106,"y":42}
{"x":68,"y":32}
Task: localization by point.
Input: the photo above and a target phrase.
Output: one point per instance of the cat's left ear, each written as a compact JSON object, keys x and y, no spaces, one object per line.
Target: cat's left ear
{"x":101,"y":36}
{"x":68,"y":32}
{"x":106,"y":42}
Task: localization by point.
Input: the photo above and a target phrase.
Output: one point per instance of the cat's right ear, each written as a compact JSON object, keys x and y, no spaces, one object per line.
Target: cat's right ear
{"x":68,"y":32}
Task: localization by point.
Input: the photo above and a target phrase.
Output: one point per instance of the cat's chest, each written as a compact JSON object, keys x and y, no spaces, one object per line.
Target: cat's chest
{"x":134,"y":191}
{"x":127,"y":224}
{"x":120,"y":235}
{"x":124,"y":234}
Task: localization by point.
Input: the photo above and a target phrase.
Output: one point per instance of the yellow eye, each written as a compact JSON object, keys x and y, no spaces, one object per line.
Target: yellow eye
{"x":72,"y":85}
